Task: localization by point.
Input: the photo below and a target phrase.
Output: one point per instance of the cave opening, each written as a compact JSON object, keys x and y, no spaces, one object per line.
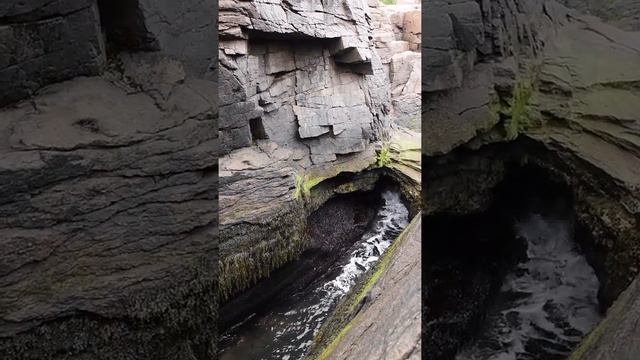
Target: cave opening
{"x":517,"y":278}
{"x":357,"y":218}
{"x":257,"y":129}
{"x":124,"y":28}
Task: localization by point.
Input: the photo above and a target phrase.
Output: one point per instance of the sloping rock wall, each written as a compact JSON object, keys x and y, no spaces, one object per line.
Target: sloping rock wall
{"x":108,"y":180}
{"x":624,"y":14}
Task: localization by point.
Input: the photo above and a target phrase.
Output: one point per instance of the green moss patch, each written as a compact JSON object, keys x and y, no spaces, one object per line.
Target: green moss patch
{"x":519,"y":119}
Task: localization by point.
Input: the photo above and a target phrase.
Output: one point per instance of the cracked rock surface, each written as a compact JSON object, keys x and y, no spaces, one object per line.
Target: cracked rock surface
{"x":305,"y":94}
{"x":108,"y":183}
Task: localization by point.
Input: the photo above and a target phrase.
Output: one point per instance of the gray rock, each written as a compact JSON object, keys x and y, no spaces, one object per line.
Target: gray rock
{"x":327,"y":93}
{"x":43,"y":45}
{"x":107,"y":184}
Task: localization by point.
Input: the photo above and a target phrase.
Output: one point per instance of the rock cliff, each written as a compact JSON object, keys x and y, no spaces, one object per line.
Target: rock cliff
{"x":306,"y":94}
{"x":315,"y":99}
{"x":108,"y":180}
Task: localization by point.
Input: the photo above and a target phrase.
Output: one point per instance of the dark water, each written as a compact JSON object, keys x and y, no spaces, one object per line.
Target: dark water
{"x":286,"y":330}
{"x":547,"y":303}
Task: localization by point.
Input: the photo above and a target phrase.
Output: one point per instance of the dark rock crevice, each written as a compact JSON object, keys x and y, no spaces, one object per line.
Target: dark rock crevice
{"x":320,"y":218}
{"x":123,"y":23}
{"x":472,"y":244}
{"x":333,"y":227}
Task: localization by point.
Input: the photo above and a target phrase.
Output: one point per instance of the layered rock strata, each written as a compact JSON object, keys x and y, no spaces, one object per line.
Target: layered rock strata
{"x":305,"y":96}
{"x":108,"y":180}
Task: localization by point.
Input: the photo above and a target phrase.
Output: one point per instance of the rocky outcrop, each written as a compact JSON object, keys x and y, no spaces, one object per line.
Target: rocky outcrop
{"x":591,"y":119}
{"x":473,"y":53}
{"x":611,"y":339}
{"x":108,"y":181}
{"x":397,"y":35}
{"x":326,"y":96}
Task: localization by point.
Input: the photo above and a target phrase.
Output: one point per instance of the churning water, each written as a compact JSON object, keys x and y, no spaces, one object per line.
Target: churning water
{"x":547,"y":304}
{"x":286,"y":331}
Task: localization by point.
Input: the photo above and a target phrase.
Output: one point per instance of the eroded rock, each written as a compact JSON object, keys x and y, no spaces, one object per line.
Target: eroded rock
{"x":108,"y":187}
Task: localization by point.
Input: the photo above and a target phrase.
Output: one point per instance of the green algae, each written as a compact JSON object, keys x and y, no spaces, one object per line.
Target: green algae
{"x":519,"y":119}
{"x":258,"y":249}
{"x":304,"y":183}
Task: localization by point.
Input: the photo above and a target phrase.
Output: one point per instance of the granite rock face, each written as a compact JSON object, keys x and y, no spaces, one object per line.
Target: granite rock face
{"x":108,"y":182}
{"x":397,"y":34}
{"x":303,"y":76}
{"x":474,"y":53}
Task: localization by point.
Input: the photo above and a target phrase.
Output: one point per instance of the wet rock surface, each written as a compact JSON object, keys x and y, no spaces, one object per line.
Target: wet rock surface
{"x":610,"y":339}
{"x":514,"y":280}
{"x":287,"y":326}
{"x":332,"y":229}
{"x":387,"y":323}
{"x":108,"y":185}
{"x":380,"y":314}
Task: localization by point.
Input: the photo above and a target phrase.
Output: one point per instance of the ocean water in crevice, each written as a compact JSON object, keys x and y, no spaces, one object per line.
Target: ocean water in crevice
{"x":515,"y":281}
{"x":286,"y":329}
{"x":548,"y":302}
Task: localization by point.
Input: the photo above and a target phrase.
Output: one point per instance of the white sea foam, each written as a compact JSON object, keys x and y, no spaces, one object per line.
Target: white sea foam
{"x":390,"y":220}
{"x":554,"y":300}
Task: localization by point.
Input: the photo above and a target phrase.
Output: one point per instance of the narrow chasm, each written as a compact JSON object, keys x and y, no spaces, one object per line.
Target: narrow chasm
{"x":279,"y":317}
{"x":512,"y":281}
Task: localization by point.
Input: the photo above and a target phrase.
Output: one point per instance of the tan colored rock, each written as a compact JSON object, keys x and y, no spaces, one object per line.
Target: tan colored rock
{"x":405,"y":73}
{"x":412,"y":28}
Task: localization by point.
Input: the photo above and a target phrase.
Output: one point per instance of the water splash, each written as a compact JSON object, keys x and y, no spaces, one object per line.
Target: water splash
{"x":547,"y":304}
